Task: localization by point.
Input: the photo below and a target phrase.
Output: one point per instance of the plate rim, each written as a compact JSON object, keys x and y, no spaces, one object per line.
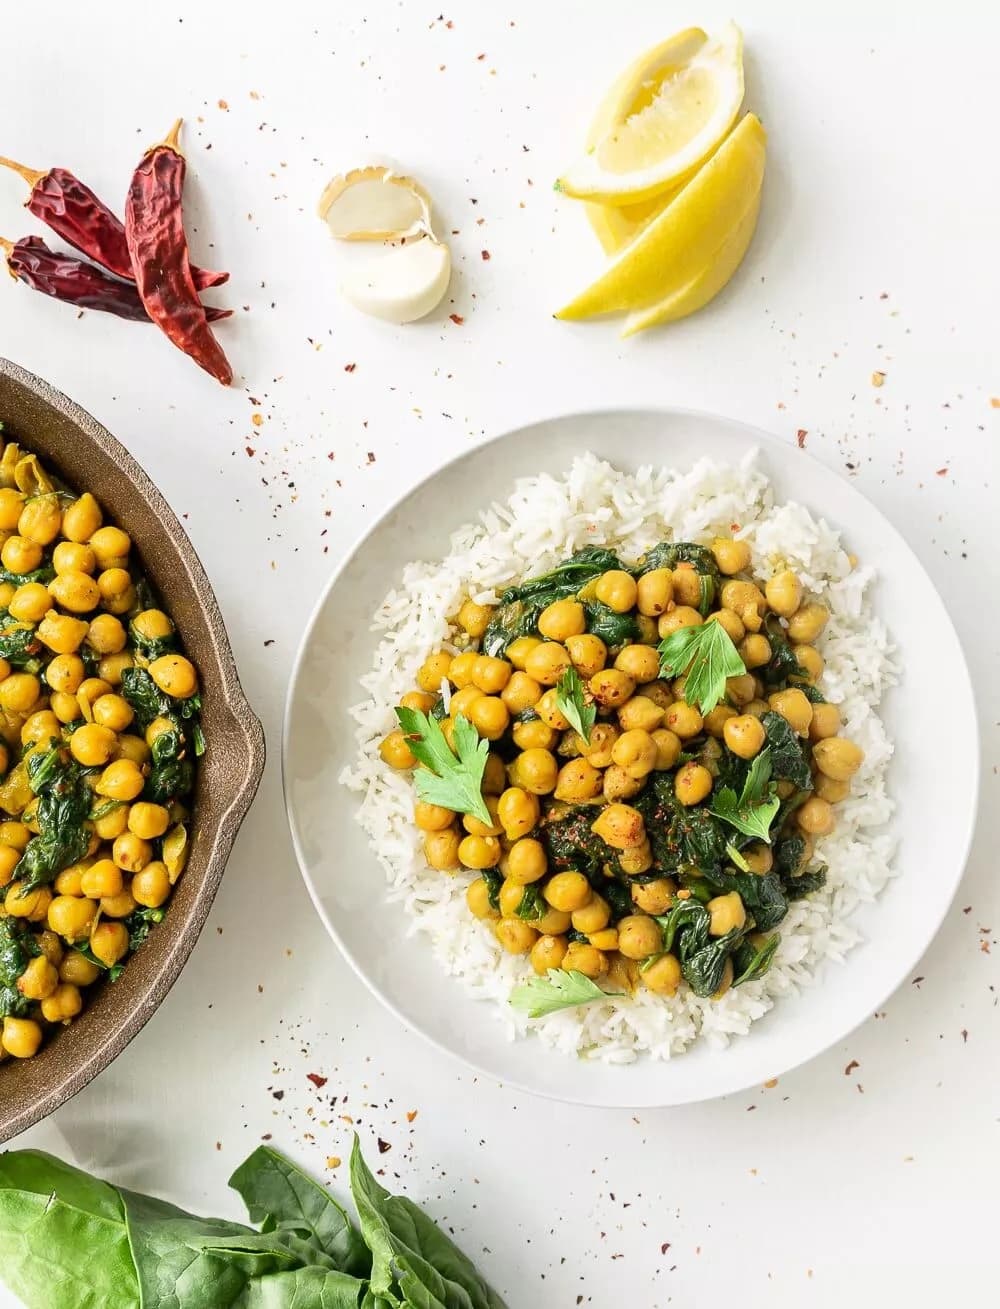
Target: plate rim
{"x":765,"y":439}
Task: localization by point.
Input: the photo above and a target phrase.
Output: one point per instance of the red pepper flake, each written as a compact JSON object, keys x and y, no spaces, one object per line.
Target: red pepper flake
{"x":349,"y":368}
{"x":916,"y":981}
{"x":411,"y":1114}
{"x":664,"y":1247}
{"x":449,"y":24}
{"x":316,"y":1080}
{"x":250,"y":451}
{"x":383,"y":1146}
{"x":851,"y":1067}
{"x":800,"y":437}
{"x":371,"y":456}
{"x":965,"y":1035}
{"x":942,"y":472}
{"x":457,"y":319}
{"x":482,"y":56}
{"x":486,"y":256}
{"x":883,"y":295}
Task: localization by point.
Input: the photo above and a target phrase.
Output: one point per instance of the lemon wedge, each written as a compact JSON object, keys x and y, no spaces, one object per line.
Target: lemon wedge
{"x":375,"y":204}
{"x":663,"y":117}
{"x":617,"y":225}
{"x":682,"y":243}
{"x":403,"y":284}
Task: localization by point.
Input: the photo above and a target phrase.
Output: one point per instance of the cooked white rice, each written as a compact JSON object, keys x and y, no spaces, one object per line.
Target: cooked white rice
{"x":544,"y":520}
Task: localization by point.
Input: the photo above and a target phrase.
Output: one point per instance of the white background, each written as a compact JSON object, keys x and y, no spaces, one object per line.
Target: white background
{"x":877,"y":249}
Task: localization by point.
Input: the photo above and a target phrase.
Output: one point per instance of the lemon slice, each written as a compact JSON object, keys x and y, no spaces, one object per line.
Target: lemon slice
{"x":375,"y":204}
{"x":617,"y":225}
{"x":662,"y":119}
{"x":402,"y":284}
{"x":681,"y":243}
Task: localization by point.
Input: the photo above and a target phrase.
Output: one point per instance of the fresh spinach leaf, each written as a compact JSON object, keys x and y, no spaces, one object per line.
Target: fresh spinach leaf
{"x":410,"y":1250}
{"x":280,"y":1197}
{"x":789,"y":761}
{"x":752,"y":961}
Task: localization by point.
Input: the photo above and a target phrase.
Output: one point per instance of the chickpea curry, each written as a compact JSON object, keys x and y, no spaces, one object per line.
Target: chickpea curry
{"x":99,"y":731}
{"x":637,"y":762}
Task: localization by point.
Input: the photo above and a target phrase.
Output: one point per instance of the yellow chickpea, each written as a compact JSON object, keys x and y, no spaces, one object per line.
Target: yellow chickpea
{"x":421,"y":701}
{"x":567,"y":891}
{"x":117,"y":592}
{"x":616,"y":589}
{"x":91,"y":745}
{"x":131,"y":852}
{"x":591,"y":917}
{"x":510,"y":898}
{"x":663,"y":975}
{"x":547,"y":709}
{"x":71,"y":917}
{"x":112,"y":666}
{"x":518,"y":811}
{"x":39,"y":979}
{"x":113,"y":823}
{"x":683,"y":720}
{"x":547,"y":662}
{"x":40,"y":728}
{"x":731,"y":556}
{"x":458,"y":672}
{"x":588,"y":653}
{"x":474,"y":618}
{"x":611,"y":687}
{"x":640,"y":662}
{"x":521,"y":692}
{"x":518,"y":651}
{"x":477,"y":897}
{"x":18,"y":692}
{"x":741,"y":690}
{"x":646,"y":630}
{"x":535,"y":771}
{"x":838,"y":758}
{"x":586,"y":959}
{"x":784,"y":593}
{"x":148,"y":821}
{"x":63,"y":1004}
{"x":40,"y":519}
{"x":807,"y":623}
{"x":77,"y":592}
{"x":794,"y":708}
{"x":11,"y":507}
{"x":111,"y":547}
{"x":462,"y":700}
{"x":619,"y":784}
{"x":825,"y":722}
{"x":654,"y":592}
{"x":726,"y":912}
{"x":113,"y":711}
{"x":534,"y":735}
{"x":9,"y":859}
{"x":66,"y":672}
{"x":654,"y":897}
{"x":71,"y":557}
{"x":106,"y":634}
{"x":20,"y":556}
{"x":476,"y":827}
{"x":692,"y":783}
{"x":133,"y":748}
{"x":479,"y":852}
{"x":552,"y":923}
{"x":515,"y":935}
{"x":490,"y":675}
{"x":687,"y":586}
{"x":82,"y":519}
{"x":640,"y":713}
{"x":639,"y":936}
{"x":489,"y":716}
{"x":731,"y":624}
{"x":62,"y":634}
{"x":815,"y":816}
{"x":755,"y":650}
{"x":602,"y":741}
{"x":428,"y":817}
{"x":30,"y":603}
{"x":679,"y":617}
{"x":810,"y":660}
{"x":548,"y":952}
{"x":14,"y":833}
{"x":758,"y":858}
{"x":526,"y":861}
{"x":635,"y":751}
{"x":109,"y":942}
{"x":562,"y":619}
{"x":104,"y":878}
{"x":432,"y":672}
{"x":744,"y":735}
{"x":637,"y":859}
{"x":827,"y":788}
{"x":620,"y":826}
{"x":175,"y":675}
{"x":77,"y":970}
{"x":151,"y":885}
{"x":441,"y":849}
{"x":21,"y":1037}
{"x":716,"y":719}
{"x":577,"y":782}
{"x":120,"y":905}
{"x":668,"y":748}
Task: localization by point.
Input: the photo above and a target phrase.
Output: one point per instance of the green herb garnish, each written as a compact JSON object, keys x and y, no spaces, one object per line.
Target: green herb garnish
{"x":707,"y":656}
{"x":571,"y":703}
{"x":454,"y":783}
{"x":561,"y":989}
{"x":753,"y":810}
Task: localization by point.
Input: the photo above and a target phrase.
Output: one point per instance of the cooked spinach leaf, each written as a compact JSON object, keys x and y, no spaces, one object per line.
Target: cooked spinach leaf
{"x":569,"y":843}
{"x":805,"y":883}
{"x":789,"y":854}
{"x":685,"y":914}
{"x":44,"y":575}
{"x":169,"y":781}
{"x":668,"y":554}
{"x":517,"y":613}
{"x":782,"y":664}
{"x":494,"y":881}
{"x":151,"y":647}
{"x":762,"y":896}
{"x":752,"y":961}
{"x":21,"y":648}
{"x":613,"y":629}
{"x":140,"y":923}
{"x":63,"y":806}
{"x":16,"y":948}
{"x":679,"y":836}
{"x":703,"y":968}
{"x":510,"y":622}
{"x":789,"y":757}
{"x":532,"y":905}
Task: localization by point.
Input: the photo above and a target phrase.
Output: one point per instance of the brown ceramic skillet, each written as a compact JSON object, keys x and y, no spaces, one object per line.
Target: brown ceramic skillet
{"x":87,"y":457}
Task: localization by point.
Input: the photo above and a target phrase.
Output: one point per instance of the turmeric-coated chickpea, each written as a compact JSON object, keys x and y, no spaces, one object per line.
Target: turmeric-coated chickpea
{"x":21,"y":1037}
{"x":687,"y":586}
{"x":731,"y":556}
{"x":510,"y":897}
{"x":11,"y":507}
{"x":526,"y":861}
{"x":677,"y":618}
{"x":111,"y":547}
{"x":151,"y":885}
{"x":441,"y":849}
{"x":637,"y":859}
{"x":654,"y":897}
{"x":517,"y":652}
{"x":641,"y":662}
{"x":63,"y":1004}
{"x":640,"y":713}
{"x":462,"y":700}
{"x":9,"y":859}
{"x":668,"y":748}
{"x":148,"y":821}
{"x":829,"y":789}
{"x":646,"y":629}
{"x":684,"y":720}
{"x":639,"y":936}
{"x":14,"y":832}
{"x":567,"y":891}
{"x":838,"y":758}
{"x":66,"y":672}
{"x":741,"y":690}
{"x":112,"y":666}
{"x":606,"y":939}
{"x":103,"y":878}
{"x":91,"y":744}
{"x":494,"y":775}
{"x":731,"y":623}
{"x":586,"y":959}
{"x":39,"y":979}
{"x":133,"y":748}
{"x":548,"y":952}
{"x":815,"y":816}
{"x":432,"y":672}
{"x":728,"y":973}
{"x":744,"y":735}
{"x":71,"y":917}
{"x":30,"y":603}
{"x":534,"y":735}
{"x":663,"y":975}
{"x":118,"y":594}
{"x":592,"y":917}
{"x":521,"y":692}
{"x":602,"y":741}
{"x":619,"y":784}
{"x":18,"y":692}
{"x":535,"y":771}
{"x":72,"y":557}
{"x":547,"y":662}
{"x":759,"y":858}
{"x":109,"y":942}
{"x":427,"y":817}
{"x":476,"y":827}
{"x":479,"y":852}
{"x":82,"y":518}
{"x":794,"y":707}
{"x":77,"y":592}
{"x":635,"y":751}
{"x":515,"y":935}
{"x":784,"y":593}
{"x":112,"y":711}
{"x":716,"y":719}
{"x":562,"y":619}
{"x":130,"y":851}
{"x":755,"y":650}
{"x":620,"y":826}
{"x":553,"y":922}
{"x":489,"y":716}
{"x":654,"y":592}
{"x":577,"y":782}
{"x":77,"y":970}
{"x":726,"y":912}
{"x":611,"y":687}
{"x":474,"y":618}
{"x":175,"y":675}
{"x":421,"y":701}
{"x":807,"y":622}
{"x":20,"y":556}
{"x":61,"y":633}
{"x":490,"y":675}
{"x":106,"y":634}
{"x":518,"y":811}
{"x":477,"y":897}
{"x":113,"y":823}
{"x":616,"y":589}
{"x":460,"y":670}
{"x":692,"y":783}
{"x":825,"y":721}
{"x":588,"y":653}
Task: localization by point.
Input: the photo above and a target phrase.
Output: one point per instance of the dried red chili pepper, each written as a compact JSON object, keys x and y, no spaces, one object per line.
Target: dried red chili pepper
{"x":74,"y":212}
{"x":76,"y":282}
{"x":154,"y":229}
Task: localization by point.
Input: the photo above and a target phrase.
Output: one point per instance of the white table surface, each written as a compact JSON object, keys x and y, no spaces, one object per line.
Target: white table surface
{"x":870,"y":1170}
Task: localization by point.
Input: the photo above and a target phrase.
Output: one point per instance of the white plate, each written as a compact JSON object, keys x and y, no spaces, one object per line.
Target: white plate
{"x":347,"y":885}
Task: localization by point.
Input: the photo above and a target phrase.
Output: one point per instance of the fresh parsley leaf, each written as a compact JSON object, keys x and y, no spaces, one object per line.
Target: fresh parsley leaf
{"x":753,"y":810}
{"x":708,"y":657}
{"x":571,"y":703}
{"x":454,"y":783}
{"x":559,"y":990}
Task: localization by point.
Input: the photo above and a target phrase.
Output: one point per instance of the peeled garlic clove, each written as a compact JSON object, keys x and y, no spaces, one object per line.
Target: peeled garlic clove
{"x":404,"y":284}
{"x":375,"y":204}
